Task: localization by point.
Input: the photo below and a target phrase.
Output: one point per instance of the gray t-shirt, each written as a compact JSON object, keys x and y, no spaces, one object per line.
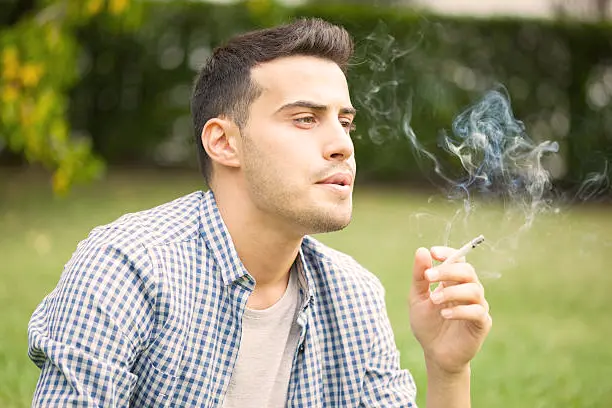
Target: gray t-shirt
{"x":265,"y":358}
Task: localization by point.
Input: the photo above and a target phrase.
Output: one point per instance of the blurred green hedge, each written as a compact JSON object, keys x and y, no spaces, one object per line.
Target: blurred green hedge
{"x":409,"y":69}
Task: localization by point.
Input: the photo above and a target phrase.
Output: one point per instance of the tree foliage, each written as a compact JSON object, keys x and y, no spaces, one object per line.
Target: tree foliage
{"x":38,"y":66}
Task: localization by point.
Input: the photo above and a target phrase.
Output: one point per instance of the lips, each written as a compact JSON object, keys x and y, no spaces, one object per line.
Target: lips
{"x":340,"y":179}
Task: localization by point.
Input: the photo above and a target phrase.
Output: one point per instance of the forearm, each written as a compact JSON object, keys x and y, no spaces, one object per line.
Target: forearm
{"x":448,"y":390}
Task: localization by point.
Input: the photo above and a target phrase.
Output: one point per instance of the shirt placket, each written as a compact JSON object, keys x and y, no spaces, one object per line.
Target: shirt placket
{"x":304,"y":385}
{"x":239,"y":292}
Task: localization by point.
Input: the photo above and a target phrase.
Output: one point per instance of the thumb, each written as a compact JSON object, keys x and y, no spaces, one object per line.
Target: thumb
{"x":422,"y":262}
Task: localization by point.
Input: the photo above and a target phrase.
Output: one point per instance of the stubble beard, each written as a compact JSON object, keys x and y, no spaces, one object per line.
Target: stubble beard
{"x":303,"y":215}
{"x":319,"y":221}
{"x":278,"y":199}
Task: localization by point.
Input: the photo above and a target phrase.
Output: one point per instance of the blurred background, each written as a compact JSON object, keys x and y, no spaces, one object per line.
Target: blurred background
{"x":95,"y":123}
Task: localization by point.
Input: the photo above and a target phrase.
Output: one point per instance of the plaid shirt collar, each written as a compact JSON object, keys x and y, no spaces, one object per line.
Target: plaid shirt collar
{"x":219,"y":242}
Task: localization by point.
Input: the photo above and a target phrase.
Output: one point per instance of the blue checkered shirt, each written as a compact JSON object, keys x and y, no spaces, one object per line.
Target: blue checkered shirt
{"x":148,"y":312}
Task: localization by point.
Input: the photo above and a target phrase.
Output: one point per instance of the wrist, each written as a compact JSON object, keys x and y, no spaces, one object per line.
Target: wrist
{"x":436,"y":371}
{"x":448,"y":389}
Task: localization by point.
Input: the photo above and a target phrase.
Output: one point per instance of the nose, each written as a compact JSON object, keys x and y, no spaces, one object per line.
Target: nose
{"x":340,"y":145}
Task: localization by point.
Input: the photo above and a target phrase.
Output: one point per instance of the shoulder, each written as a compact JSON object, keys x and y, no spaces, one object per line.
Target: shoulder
{"x":174,"y":221}
{"x":115,"y":258}
{"x":124,"y":244}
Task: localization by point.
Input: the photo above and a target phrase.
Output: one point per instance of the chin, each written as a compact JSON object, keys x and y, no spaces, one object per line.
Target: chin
{"x":339,"y":226}
{"x":328,"y":223}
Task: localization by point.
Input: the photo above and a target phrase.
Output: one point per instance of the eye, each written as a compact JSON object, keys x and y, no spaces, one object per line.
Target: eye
{"x":305,"y":120}
{"x":348,"y":125}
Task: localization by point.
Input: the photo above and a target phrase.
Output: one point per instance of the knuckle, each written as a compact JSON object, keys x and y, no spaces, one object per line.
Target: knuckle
{"x":480,"y":292}
{"x":464,"y":271}
{"x":477,"y":293}
{"x":483,"y":312}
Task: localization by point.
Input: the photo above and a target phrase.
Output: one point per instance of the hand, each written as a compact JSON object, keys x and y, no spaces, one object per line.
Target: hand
{"x":452,"y":322}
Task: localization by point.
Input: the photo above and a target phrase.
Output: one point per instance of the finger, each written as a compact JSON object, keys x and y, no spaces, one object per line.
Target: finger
{"x":422,"y":262}
{"x":440,"y":253}
{"x":455,"y":272}
{"x":465,"y":293}
{"x":475,"y":313}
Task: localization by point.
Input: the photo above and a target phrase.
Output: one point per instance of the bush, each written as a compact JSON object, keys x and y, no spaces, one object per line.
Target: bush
{"x":410,"y":72}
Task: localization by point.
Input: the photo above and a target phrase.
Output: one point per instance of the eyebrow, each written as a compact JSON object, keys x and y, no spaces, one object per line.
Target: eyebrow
{"x":315,"y":106}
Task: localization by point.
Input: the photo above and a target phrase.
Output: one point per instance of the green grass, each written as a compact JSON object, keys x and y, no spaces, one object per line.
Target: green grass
{"x":551,"y":343}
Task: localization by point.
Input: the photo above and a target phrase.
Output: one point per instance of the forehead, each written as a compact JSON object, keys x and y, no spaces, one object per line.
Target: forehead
{"x":289,"y":79}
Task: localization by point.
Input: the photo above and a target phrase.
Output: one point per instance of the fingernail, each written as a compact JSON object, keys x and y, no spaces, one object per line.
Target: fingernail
{"x":446,"y":313}
{"x":432,"y":274}
{"x":437,"y":297}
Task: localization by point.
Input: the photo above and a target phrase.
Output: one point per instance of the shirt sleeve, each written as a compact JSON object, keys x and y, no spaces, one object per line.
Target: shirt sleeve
{"x":86,"y":333}
{"x":386,"y":384}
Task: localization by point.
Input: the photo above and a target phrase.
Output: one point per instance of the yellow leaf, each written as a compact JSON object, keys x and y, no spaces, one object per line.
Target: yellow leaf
{"x":31,"y":74}
{"x":44,"y":104}
{"x":259,"y":7}
{"x":94,"y":7}
{"x":59,"y":131}
{"x":118,"y":6}
{"x":61,"y":182}
{"x":10,"y":72}
{"x":25,"y":114}
{"x":10,"y":93}
{"x":10,"y":63}
{"x":10,"y":55}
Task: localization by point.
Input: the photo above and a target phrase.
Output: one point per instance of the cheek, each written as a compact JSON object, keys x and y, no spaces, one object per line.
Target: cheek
{"x":353,"y":161}
{"x":292,"y":149}
{"x":280,"y":151}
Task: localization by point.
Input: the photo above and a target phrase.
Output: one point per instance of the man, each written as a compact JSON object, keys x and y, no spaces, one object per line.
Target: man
{"x":220,"y":298}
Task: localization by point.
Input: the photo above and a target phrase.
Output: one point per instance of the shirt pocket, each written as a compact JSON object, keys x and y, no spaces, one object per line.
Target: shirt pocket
{"x":154,"y":388}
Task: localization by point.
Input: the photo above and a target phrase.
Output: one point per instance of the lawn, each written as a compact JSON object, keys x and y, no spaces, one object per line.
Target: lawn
{"x":549,"y":287}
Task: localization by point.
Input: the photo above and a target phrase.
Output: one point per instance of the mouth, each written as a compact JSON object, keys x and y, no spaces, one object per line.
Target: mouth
{"x":341,"y":179}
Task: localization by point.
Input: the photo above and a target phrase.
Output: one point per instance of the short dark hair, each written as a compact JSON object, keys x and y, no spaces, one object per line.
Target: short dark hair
{"x":224,"y":85}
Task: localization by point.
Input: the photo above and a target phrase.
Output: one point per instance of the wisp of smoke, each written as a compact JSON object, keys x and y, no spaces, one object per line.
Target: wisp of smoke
{"x":594,"y":184}
{"x":486,"y":155}
{"x":499,"y":157}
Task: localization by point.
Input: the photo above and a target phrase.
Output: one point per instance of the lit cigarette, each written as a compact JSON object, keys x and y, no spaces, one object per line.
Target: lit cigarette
{"x":463,"y":251}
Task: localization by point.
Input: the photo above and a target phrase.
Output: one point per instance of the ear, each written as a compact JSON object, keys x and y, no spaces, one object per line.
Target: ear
{"x":219,"y":140}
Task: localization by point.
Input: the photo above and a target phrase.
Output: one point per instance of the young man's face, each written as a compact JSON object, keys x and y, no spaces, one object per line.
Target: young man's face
{"x":296,"y":138}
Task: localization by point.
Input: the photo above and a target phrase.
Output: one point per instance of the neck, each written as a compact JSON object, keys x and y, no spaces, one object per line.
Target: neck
{"x":266,"y":248}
